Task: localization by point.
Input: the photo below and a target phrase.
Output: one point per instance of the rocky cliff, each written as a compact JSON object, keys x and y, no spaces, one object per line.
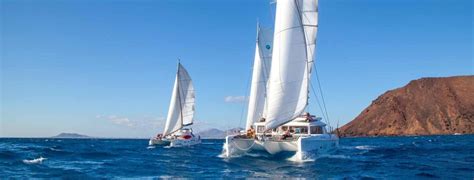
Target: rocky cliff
{"x":423,"y":107}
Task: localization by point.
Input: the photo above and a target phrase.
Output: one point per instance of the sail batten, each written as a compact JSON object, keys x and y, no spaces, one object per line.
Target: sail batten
{"x":261,"y":69}
{"x":294,"y":42}
{"x":181,"y":110}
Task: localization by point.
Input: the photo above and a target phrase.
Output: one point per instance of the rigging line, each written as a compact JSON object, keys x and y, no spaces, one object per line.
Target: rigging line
{"x":321,"y":92}
{"x":319,"y":103}
{"x":246,"y":95}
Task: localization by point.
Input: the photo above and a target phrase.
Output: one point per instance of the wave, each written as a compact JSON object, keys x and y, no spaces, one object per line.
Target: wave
{"x":306,"y":157}
{"x":365,"y":147}
{"x":211,"y":143}
{"x":8,"y":155}
{"x":96,"y":154}
{"x":333,"y":156}
{"x":34,"y":161}
{"x":54,"y":149}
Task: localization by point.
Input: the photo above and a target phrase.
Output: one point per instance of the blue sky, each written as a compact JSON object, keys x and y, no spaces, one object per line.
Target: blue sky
{"x":106,"y":68}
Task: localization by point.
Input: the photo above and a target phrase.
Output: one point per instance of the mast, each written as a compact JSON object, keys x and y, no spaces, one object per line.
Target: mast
{"x":179,"y":95}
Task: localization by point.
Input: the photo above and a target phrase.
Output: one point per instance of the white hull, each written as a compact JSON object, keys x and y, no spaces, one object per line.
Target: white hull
{"x":175,"y":141}
{"x":185,"y":142}
{"x":156,"y":141}
{"x":311,"y":145}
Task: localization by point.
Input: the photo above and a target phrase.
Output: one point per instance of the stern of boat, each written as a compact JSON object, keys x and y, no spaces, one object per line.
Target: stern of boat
{"x":316,"y":145}
{"x":235,"y":145}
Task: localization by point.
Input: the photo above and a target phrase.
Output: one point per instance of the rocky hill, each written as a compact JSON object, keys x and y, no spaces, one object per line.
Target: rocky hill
{"x":423,"y":107}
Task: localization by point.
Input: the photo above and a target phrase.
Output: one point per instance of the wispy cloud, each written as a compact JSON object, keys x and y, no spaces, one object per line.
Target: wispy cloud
{"x":235,"y":99}
{"x":145,"y":121}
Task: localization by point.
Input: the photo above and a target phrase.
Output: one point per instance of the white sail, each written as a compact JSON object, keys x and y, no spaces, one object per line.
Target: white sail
{"x":261,"y":72}
{"x":181,"y":110}
{"x":294,"y":43}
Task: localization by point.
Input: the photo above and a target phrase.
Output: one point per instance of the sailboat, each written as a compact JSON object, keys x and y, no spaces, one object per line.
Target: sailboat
{"x":276,"y":120}
{"x":180,"y":114}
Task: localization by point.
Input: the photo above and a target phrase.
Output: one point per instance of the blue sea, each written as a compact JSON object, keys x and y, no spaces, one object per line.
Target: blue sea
{"x":420,"y":157}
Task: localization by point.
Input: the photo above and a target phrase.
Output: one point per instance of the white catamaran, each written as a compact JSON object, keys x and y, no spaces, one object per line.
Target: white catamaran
{"x":276,"y":120}
{"x":180,"y":114}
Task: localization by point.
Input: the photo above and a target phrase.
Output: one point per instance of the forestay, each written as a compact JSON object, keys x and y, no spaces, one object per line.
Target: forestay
{"x":181,"y":110}
{"x":292,"y":58}
{"x":261,"y":70}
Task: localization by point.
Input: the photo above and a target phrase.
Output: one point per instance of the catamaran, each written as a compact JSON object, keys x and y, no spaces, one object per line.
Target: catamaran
{"x":276,"y":118}
{"x":180,"y":114}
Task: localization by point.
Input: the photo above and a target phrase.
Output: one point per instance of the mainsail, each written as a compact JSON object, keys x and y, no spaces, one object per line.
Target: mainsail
{"x":181,"y":110}
{"x":261,"y":70}
{"x":294,"y":42}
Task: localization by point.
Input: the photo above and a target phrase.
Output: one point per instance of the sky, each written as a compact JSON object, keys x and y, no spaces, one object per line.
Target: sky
{"x":106,"y":68}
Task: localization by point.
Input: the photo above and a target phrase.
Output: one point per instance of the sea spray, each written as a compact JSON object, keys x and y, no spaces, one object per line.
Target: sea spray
{"x":34,"y":161}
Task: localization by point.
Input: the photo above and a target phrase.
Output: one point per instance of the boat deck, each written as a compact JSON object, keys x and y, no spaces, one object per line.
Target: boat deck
{"x":271,"y":138}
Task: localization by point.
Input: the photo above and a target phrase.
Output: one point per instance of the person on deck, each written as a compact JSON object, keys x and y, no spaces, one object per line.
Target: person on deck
{"x":286,"y":134}
{"x":251,"y":132}
{"x":308,"y":117}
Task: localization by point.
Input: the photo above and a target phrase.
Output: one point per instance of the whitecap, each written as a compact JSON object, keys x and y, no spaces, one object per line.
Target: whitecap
{"x":306,"y":157}
{"x":53,"y":149}
{"x":224,"y":156}
{"x":151,"y":147}
{"x":34,"y":161}
{"x":365,"y":147}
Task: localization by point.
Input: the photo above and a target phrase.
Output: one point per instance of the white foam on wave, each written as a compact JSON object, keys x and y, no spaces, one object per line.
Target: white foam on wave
{"x":53,"y":149}
{"x":365,"y":147}
{"x":306,"y":157}
{"x":222,"y":155}
{"x":235,"y":153}
{"x":35,"y":161}
{"x":151,"y":147}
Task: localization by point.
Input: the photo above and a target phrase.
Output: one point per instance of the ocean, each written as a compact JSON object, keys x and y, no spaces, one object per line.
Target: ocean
{"x":417,"y":157}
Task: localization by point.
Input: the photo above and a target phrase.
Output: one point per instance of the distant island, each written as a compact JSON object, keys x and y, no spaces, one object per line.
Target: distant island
{"x":425,"y":106}
{"x":217,"y":133}
{"x":70,"y":135}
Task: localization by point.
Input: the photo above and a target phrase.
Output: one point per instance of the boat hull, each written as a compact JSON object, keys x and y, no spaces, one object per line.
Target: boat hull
{"x":156,"y":141}
{"x":303,"y":147}
{"x":185,"y":142}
